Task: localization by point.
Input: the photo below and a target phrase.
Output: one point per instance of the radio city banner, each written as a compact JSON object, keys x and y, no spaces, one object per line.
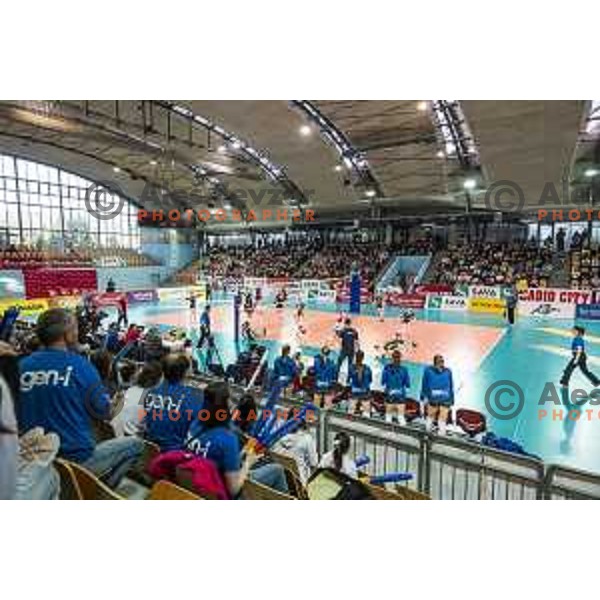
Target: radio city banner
{"x":446,"y":302}
{"x":556,"y":296}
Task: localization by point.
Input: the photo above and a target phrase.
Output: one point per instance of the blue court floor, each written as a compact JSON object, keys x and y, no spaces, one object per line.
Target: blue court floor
{"x":532,"y":354}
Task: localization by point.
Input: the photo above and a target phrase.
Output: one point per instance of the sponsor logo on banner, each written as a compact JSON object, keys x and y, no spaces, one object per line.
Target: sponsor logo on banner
{"x":446,"y":302}
{"x":436,"y":289}
{"x":69,"y":302}
{"x":556,"y":296}
{"x":488,"y":305}
{"x":546,"y":309}
{"x":405,"y":300}
{"x":26,"y":307}
{"x":588,"y":311}
{"x":484,"y":291}
{"x":139,"y":296}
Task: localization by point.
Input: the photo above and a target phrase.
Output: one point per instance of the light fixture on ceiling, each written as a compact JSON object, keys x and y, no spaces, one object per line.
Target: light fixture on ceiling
{"x":591,"y":173}
{"x":470,"y":184}
{"x":221,"y":149}
{"x":370,"y":193}
{"x":305,"y":130}
{"x":440,"y":154}
{"x":116,"y":169}
{"x":153,"y":163}
{"x":422,"y":106}
{"x":236,"y":144}
{"x":338,"y":168}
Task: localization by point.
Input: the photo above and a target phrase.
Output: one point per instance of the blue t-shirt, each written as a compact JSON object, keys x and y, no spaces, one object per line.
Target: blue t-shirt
{"x":395,"y":380}
{"x":578,"y":344}
{"x":437,"y":386}
{"x":205,"y":320}
{"x":60,"y":391}
{"x":284,"y":367}
{"x":221,"y":445}
{"x":349,"y":337}
{"x":325,"y":371}
{"x":170,"y":410}
{"x":360,"y":382}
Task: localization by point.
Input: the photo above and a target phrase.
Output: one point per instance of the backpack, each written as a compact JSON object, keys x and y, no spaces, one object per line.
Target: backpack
{"x":193,"y":472}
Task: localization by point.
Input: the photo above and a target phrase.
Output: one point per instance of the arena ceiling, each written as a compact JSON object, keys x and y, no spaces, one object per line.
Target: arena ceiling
{"x":342,"y":158}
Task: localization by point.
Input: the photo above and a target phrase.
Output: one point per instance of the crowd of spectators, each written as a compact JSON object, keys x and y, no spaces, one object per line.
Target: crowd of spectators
{"x":525,"y":265}
{"x":65,"y":395}
{"x":22,"y":256}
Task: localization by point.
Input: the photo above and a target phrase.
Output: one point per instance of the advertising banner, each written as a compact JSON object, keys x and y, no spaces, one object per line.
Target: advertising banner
{"x":588,"y":311}
{"x":486,"y":305}
{"x":437,"y":289}
{"x":484,"y":291}
{"x":27,"y":307}
{"x":546,"y":309}
{"x":405,"y":300}
{"x":556,"y":296}
{"x":142,"y":296}
{"x":446,"y":302}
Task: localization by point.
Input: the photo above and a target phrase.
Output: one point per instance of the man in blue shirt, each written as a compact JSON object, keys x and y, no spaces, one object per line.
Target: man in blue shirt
{"x":348,"y":345}
{"x":325,"y":373}
{"x":395,"y":382}
{"x":579,"y":359}
{"x":360,"y":379}
{"x":437,"y":390}
{"x":61,"y":391}
{"x":171,"y":407}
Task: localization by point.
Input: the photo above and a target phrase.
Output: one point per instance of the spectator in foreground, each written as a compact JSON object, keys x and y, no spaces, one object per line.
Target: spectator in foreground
{"x":338,"y":458}
{"x":61,"y":391}
{"x":215,"y":439}
{"x":128,"y":421}
{"x":172,"y":406}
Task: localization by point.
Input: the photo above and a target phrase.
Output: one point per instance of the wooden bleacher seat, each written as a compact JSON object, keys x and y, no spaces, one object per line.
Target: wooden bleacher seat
{"x":165,"y":490}
{"x":81,"y":484}
{"x":256,"y":491}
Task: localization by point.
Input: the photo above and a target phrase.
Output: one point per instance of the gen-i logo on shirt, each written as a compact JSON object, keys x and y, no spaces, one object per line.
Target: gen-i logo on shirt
{"x":31,"y":379}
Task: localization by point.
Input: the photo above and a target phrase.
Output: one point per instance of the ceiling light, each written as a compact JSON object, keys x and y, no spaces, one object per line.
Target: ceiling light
{"x":440,"y":154}
{"x":305,"y":130}
{"x":469,"y":184}
{"x":221,"y":149}
{"x":338,"y":168}
{"x":370,"y":193}
{"x":116,"y":169}
{"x":422,"y":106}
{"x":236,"y":145}
{"x":153,"y":163}
{"x":591,"y":172}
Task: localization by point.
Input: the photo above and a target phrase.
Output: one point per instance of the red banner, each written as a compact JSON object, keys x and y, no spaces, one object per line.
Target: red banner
{"x":439,"y":289}
{"x":118,"y":299}
{"x":47,"y":283}
{"x":405,"y":300}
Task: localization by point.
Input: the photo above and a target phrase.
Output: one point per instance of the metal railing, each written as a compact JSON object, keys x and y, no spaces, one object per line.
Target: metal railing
{"x":447,"y":467}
